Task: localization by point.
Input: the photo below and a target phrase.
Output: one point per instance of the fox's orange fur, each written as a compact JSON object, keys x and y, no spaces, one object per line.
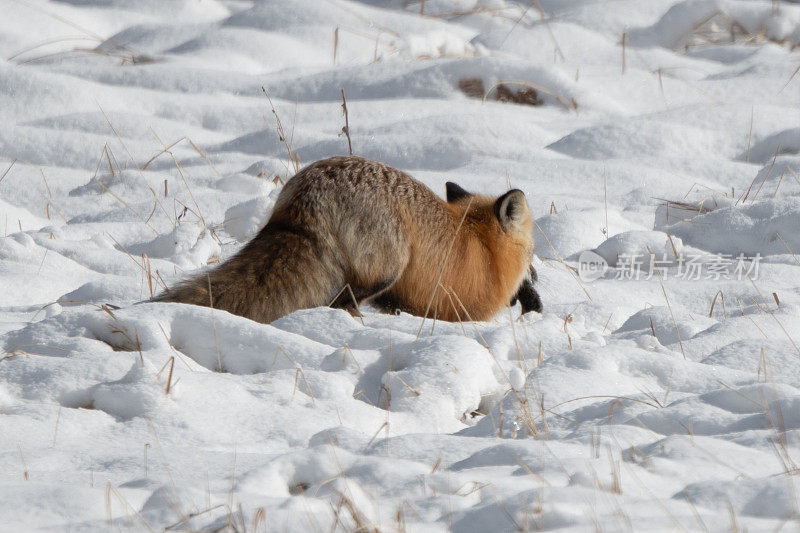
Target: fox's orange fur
{"x":348,"y":228}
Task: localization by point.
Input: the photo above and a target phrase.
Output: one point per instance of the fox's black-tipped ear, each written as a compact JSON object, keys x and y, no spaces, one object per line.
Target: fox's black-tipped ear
{"x":510,"y":208}
{"x":455,"y":192}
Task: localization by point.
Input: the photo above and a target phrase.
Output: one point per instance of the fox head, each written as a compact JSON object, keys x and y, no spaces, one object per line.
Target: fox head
{"x":506,"y":218}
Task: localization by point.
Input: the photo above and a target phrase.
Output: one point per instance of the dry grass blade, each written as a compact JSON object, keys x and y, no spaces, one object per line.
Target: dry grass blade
{"x":335,"y":43}
{"x":163,"y":151}
{"x":722,"y":299}
{"x":156,"y":204}
{"x":42,"y":263}
{"x":750,"y":136}
{"x":345,"y":351}
{"x":790,"y":79}
{"x":292,"y":156}
{"x":146,"y":263}
{"x":214,"y":323}
{"x":352,"y":295}
{"x":384,"y":425}
{"x":278,"y":351}
{"x":3,"y":176}
{"x":786,"y":245}
{"x":92,"y":35}
{"x":698,"y":90}
{"x":543,"y":18}
{"x":185,"y":519}
{"x":169,"y":376}
{"x":128,"y":508}
{"x":188,"y":189}
{"x":760,"y":405}
{"x":24,"y":466}
{"x":300,"y":374}
{"x":677,"y":526}
{"x":41,"y":173}
{"x":204,"y":156}
{"x":780,"y":180}
{"x":732,"y":513}
{"x":174,"y":351}
{"x":454,"y":308}
{"x":124,"y":146}
{"x":669,"y":306}
{"x":361,"y":521}
{"x":46,"y":42}
{"x":409,"y":387}
{"x":55,"y":430}
{"x":260,"y":520}
{"x":624,"y":42}
{"x":526,"y":416}
{"x":561,"y":260}
{"x":144,"y":270}
{"x":763,"y":365}
{"x":767,"y":175}
{"x":346,"y":127}
{"x":768,"y":310}
{"x":444,"y":265}
{"x":606,"y":230}
{"x":167,"y":150}
{"x":603,"y":396}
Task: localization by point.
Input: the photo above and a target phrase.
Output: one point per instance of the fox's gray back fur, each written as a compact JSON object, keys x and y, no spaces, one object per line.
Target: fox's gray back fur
{"x":336,"y":223}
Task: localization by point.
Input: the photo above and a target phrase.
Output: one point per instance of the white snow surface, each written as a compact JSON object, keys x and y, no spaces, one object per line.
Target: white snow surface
{"x":138,"y":147}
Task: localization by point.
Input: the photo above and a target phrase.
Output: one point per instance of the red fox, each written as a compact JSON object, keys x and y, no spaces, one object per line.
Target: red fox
{"x":346,"y":230}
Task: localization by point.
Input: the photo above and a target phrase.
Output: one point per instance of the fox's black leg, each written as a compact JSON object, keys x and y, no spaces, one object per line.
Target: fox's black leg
{"x":527,"y":295}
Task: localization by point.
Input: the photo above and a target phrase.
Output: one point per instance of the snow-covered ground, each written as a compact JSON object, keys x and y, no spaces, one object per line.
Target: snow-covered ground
{"x":658,"y":391}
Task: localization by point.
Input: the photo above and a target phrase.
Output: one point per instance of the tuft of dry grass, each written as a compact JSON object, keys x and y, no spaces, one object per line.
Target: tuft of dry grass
{"x":292,"y":157}
{"x":123,"y":52}
{"x":570,"y":270}
{"x":145,"y":270}
{"x":129,"y":510}
{"x":669,"y":307}
{"x":721,"y":28}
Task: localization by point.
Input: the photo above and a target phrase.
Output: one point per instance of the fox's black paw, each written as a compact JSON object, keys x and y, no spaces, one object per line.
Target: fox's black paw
{"x":527,"y":295}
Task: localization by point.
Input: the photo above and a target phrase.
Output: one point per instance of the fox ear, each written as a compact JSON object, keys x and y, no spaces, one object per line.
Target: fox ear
{"x":455,"y":192}
{"x":511,"y":208}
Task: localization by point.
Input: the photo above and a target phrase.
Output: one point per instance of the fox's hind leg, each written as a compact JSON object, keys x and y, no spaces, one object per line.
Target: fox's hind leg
{"x":351,"y":297}
{"x":375,"y":249}
{"x":372,"y":270}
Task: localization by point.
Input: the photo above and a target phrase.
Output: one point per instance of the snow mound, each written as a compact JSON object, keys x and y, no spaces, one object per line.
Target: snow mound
{"x":764,"y":226}
{"x":640,"y":246}
{"x":138,"y":148}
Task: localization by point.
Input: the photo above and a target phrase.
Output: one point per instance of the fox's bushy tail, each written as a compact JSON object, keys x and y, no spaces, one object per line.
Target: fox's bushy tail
{"x":281,"y":270}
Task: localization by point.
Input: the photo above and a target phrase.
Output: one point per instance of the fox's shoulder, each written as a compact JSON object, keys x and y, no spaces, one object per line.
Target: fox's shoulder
{"x":354,"y":174}
{"x":353,"y":167}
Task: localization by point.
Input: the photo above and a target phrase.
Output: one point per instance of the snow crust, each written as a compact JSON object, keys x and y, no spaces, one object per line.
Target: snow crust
{"x":138,"y":147}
